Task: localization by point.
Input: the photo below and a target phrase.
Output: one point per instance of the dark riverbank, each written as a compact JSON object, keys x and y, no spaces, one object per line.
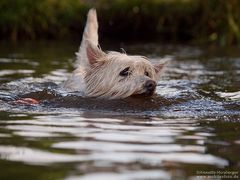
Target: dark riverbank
{"x":197,"y":21}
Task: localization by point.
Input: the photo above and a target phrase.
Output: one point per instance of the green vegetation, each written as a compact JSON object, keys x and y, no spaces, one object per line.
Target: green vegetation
{"x":202,"y":21}
{"x":33,"y":19}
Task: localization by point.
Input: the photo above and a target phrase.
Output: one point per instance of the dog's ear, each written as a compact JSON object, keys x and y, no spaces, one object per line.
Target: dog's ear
{"x":160,"y":66}
{"x":94,"y":53}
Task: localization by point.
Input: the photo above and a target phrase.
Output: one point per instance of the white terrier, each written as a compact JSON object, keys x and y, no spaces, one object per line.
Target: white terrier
{"x":111,"y":75}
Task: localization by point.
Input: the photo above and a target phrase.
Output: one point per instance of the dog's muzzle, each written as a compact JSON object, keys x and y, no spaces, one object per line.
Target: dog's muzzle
{"x":150,"y":87}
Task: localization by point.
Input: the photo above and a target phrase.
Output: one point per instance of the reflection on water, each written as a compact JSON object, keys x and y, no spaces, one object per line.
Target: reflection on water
{"x":190,"y":125}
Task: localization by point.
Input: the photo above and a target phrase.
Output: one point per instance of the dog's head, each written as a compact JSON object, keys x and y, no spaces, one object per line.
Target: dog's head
{"x":116,"y":75}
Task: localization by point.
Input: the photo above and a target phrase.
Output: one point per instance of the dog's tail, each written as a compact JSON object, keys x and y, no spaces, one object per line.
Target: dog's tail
{"x":90,"y":34}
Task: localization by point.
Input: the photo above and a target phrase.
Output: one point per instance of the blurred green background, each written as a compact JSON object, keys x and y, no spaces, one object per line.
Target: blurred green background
{"x":195,"y":21}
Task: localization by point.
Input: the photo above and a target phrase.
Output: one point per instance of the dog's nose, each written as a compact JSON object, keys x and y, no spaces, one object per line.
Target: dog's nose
{"x":150,"y":85}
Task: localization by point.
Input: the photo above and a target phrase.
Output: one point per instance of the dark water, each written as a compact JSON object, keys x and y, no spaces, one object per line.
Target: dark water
{"x":190,"y":128}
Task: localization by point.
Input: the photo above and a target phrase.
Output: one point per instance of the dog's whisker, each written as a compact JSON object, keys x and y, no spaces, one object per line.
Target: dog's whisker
{"x":123,"y":51}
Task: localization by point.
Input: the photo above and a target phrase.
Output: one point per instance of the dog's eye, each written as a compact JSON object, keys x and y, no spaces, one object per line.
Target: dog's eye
{"x":146,"y":73}
{"x":125,"y":72}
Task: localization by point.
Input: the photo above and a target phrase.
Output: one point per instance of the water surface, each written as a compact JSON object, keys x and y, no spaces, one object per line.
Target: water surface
{"x":189,"y":127}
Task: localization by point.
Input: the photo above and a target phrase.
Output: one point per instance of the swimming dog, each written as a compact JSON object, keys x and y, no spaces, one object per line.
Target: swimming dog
{"x":110,"y":75}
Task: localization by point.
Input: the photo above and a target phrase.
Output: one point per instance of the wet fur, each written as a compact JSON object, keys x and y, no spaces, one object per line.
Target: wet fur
{"x":97,"y":73}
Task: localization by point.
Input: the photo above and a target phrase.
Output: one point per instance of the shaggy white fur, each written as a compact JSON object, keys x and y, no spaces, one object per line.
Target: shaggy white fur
{"x":111,"y":75}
